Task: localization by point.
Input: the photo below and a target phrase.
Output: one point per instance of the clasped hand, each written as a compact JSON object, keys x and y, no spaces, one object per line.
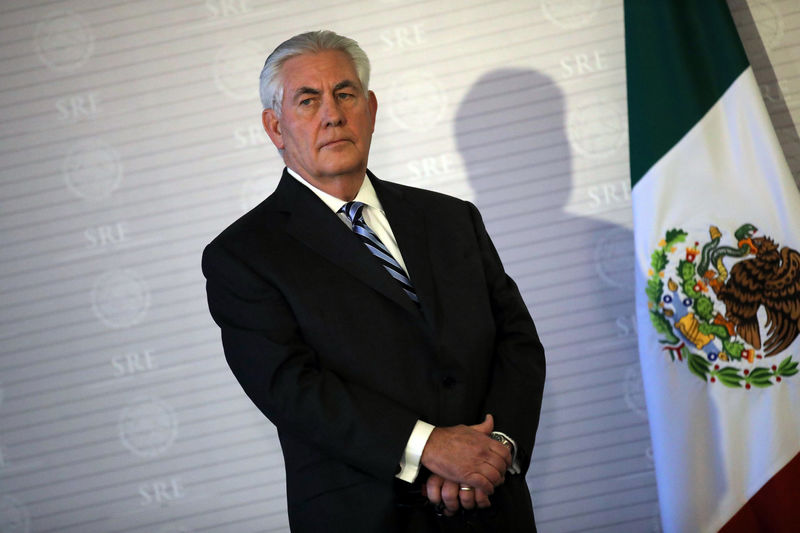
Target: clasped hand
{"x":464,"y":455}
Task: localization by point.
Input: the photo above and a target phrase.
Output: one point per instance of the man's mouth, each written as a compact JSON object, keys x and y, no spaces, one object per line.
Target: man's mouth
{"x":335,"y":143}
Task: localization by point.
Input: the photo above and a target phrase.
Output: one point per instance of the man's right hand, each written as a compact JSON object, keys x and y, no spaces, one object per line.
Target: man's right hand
{"x":467,"y":455}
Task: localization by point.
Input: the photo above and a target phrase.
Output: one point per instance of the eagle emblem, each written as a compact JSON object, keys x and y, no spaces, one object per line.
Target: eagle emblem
{"x":727,"y":306}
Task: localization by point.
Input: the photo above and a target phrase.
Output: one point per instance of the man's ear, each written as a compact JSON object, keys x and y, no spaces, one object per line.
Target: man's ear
{"x":373,"y":107}
{"x":273,"y":127}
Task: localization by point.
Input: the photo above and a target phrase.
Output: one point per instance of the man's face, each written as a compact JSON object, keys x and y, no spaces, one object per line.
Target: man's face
{"x":326,"y":121}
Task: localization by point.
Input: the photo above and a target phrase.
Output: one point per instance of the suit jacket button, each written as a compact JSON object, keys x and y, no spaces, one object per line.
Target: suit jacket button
{"x":448,"y":381}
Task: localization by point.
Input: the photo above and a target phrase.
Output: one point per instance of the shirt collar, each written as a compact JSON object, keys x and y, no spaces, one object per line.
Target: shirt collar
{"x":366,"y":194}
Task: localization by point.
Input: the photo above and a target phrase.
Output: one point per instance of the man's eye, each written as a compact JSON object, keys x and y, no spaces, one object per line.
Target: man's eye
{"x":307,"y":101}
{"x":345,"y":96}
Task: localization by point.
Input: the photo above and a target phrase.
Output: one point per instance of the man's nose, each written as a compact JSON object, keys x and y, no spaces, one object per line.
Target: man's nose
{"x":332,"y":114}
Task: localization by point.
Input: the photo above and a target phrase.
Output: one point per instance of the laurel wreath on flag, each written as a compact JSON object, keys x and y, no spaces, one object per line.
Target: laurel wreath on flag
{"x":712,"y":365}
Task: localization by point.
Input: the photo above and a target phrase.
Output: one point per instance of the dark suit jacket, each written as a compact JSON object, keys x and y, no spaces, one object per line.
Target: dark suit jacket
{"x":333,"y":352}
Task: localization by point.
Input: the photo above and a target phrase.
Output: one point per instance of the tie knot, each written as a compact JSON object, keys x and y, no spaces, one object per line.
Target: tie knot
{"x":353,"y":211}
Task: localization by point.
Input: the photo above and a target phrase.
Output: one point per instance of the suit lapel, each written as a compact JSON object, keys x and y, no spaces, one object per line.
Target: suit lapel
{"x":411,"y":229}
{"x":316,"y":226}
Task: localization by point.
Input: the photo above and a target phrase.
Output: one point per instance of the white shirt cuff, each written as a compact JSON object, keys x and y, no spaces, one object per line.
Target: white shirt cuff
{"x":409,"y":463}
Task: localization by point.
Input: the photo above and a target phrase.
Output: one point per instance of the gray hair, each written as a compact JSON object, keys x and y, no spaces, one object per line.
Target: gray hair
{"x":271,"y":82}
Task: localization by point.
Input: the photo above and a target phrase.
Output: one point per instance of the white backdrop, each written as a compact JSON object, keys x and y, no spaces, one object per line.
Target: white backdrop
{"x":131,"y":136}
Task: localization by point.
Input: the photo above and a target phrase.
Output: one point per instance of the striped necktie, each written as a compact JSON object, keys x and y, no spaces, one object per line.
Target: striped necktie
{"x":354,"y":211}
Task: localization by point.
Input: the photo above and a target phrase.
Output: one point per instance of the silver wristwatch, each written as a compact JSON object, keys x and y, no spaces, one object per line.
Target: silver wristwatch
{"x":502,"y":439}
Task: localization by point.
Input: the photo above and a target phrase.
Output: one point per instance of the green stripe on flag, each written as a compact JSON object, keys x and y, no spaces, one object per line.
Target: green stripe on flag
{"x":697,"y":54}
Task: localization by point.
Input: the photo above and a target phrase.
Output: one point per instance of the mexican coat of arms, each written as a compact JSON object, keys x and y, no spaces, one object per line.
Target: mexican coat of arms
{"x":731,"y":310}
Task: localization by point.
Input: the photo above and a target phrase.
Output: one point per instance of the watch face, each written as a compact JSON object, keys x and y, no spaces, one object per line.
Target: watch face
{"x":502,"y":440}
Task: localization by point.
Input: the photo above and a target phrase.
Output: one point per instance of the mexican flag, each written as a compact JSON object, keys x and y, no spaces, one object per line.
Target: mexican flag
{"x":717,"y":234}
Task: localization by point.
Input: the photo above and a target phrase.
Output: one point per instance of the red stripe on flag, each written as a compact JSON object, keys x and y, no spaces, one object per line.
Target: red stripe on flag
{"x":774,"y":507}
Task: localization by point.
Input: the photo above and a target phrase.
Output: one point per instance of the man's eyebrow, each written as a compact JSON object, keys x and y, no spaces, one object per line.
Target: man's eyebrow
{"x":344,"y":84}
{"x":305,"y":90}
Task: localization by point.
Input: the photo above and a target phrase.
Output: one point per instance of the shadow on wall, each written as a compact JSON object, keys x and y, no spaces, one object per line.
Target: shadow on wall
{"x":575,"y":273}
{"x":512,"y":136}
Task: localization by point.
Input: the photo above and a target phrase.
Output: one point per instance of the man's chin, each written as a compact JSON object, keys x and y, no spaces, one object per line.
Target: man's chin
{"x":341,"y":168}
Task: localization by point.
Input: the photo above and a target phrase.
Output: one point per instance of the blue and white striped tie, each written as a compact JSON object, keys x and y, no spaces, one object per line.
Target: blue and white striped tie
{"x":354,"y":212}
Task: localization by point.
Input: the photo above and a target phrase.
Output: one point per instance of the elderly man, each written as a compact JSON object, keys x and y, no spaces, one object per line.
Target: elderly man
{"x":373,"y":323}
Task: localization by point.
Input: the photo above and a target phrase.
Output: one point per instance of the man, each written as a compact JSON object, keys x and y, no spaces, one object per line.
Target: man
{"x":373,"y":323}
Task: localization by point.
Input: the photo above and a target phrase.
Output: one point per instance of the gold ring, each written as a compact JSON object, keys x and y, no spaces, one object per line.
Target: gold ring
{"x":465,"y":488}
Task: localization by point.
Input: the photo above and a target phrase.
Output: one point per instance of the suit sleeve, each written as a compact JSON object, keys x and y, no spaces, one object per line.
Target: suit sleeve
{"x":514,"y":396}
{"x":280,"y":373}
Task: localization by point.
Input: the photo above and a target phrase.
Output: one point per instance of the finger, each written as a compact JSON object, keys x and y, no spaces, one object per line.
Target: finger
{"x":499,"y":458}
{"x":495,"y":477}
{"x":433,"y":489}
{"x":493,"y":467}
{"x":490,"y":473}
{"x":486,"y":426}
{"x":482,"y":499}
{"x":450,"y":497}
{"x":502,"y":452}
{"x":480,"y":482}
{"x":466,"y":497}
